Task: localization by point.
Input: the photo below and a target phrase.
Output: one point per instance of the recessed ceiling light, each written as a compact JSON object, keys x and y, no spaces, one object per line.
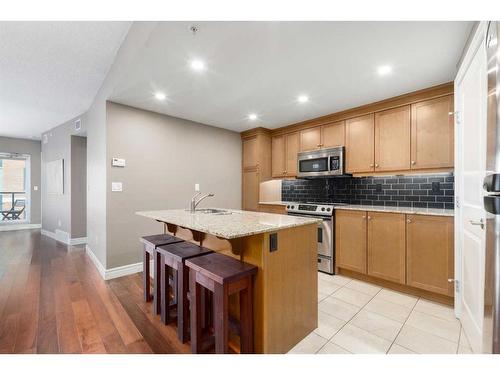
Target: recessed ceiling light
{"x":303,"y":99}
{"x":252,"y":116}
{"x":384,"y":69}
{"x":197,"y":65}
{"x":160,"y":96}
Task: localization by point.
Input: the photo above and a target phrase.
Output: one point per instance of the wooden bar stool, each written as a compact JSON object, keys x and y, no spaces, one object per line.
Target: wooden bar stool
{"x":223,"y":276}
{"x":150,"y":244}
{"x":173,"y":257}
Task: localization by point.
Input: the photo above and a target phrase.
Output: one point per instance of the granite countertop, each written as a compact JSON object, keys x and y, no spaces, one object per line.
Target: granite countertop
{"x":234,"y":225}
{"x":400,"y":210}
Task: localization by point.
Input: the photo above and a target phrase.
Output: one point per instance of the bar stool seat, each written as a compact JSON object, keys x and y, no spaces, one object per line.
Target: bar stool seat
{"x":150,"y":244}
{"x":173,"y":256}
{"x":223,"y":275}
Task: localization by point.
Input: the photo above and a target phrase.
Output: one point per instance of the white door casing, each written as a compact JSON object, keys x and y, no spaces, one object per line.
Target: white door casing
{"x":470,"y":165}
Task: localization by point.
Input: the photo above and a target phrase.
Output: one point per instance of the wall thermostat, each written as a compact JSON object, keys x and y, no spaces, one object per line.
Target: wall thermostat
{"x":117,"y":162}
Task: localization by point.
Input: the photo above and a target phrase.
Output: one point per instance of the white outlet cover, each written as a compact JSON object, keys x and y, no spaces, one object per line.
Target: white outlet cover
{"x":35,"y":188}
{"x":116,"y":186}
{"x":196,"y":187}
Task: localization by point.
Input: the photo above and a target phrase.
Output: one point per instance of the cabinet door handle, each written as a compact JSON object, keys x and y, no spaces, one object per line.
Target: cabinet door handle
{"x":376,"y":165}
{"x":408,"y":221}
{"x":371,"y":165}
{"x":363,"y":217}
{"x":369,"y":217}
{"x":413,"y":162}
{"x":480,"y":223}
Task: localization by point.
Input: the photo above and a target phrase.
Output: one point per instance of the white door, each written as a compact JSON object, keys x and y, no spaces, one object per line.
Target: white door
{"x":470,"y":164}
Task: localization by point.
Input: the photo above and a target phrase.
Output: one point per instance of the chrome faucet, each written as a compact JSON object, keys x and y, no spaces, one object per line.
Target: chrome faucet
{"x":195,"y":203}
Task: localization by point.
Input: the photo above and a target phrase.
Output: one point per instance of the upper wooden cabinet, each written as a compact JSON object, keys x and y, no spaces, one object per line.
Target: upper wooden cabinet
{"x":360,"y":144}
{"x":250,"y":152}
{"x":310,"y":139}
{"x":386,"y":246}
{"x":350,"y":240}
{"x":392,"y":139}
{"x":429,"y":249}
{"x":329,"y":135}
{"x":432,"y":133}
{"x":333,"y":134}
{"x":284,"y":149}
{"x":256,"y":166}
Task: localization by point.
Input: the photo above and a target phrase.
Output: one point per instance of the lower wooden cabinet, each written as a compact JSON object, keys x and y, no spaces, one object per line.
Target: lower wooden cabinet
{"x":350,"y":240}
{"x":430,"y":253}
{"x":386,"y":246}
{"x":412,"y":250}
{"x":250,"y":190}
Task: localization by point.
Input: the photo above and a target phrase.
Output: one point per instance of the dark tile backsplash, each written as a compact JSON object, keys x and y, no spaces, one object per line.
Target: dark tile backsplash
{"x":426,"y":191}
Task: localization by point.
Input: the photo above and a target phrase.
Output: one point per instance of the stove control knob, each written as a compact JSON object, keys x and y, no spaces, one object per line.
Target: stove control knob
{"x":322,"y":208}
{"x":293,"y":207}
{"x":287,"y":206}
{"x":328,"y":209}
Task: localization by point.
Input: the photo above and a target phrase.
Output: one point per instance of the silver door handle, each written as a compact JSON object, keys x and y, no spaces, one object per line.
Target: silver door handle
{"x":480,"y":223}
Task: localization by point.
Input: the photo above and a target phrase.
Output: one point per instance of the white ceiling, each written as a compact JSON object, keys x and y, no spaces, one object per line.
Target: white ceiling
{"x":262,"y":67}
{"x":51,"y":71}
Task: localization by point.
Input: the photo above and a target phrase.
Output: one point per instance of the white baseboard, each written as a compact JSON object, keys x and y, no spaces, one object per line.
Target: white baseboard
{"x":78,"y":241}
{"x":64,"y":237}
{"x":9,"y":227}
{"x":113,"y":273}
{"x":100,"y":268}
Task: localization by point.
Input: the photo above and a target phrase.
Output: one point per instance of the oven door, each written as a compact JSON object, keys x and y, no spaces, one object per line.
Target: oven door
{"x":324,"y":234}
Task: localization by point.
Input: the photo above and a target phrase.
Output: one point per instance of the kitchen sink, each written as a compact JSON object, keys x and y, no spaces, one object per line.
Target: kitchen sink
{"x":213,"y":211}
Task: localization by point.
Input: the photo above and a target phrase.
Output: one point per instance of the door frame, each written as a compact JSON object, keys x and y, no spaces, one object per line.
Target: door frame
{"x":27,"y":187}
{"x":474,"y":44}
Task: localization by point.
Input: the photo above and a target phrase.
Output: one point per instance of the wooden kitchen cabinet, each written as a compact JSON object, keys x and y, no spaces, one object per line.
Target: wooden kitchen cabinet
{"x":432,"y":133}
{"x":284,"y":149}
{"x":329,"y":135}
{"x":250,"y":152}
{"x":256,"y":166}
{"x":350,"y":240}
{"x":333,"y":135}
{"x":310,"y":139}
{"x":392,"y":139}
{"x":386,"y":246}
{"x":360,"y":144}
{"x":292,"y":148}
{"x":430,"y":253}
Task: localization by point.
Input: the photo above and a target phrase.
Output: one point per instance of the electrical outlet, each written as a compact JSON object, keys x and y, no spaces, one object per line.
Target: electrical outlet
{"x":197,"y":187}
{"x":436,"y":187}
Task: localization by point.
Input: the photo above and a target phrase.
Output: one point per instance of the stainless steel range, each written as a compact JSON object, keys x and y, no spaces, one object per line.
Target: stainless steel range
{"x":326,"y":230}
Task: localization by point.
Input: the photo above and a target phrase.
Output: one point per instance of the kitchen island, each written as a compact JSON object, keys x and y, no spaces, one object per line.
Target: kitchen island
{"x":284,"y":250}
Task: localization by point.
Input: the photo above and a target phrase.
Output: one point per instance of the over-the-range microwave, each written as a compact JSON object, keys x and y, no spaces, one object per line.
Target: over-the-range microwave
{"x":324,"y":162}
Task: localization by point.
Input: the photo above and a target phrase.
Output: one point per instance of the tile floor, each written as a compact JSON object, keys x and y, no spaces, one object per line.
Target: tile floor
{"x":358,"y":317}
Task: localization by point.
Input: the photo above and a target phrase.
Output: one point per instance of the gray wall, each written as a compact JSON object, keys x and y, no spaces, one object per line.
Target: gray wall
{"x":78,"y":186}
{"x":57,"y":208}
{"x":96,"y":138}
{"x":33,"y":148}
{"x":165,"y":157}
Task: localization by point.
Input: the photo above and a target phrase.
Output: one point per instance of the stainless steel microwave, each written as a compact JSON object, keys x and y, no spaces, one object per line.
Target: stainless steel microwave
{"x":325,"y":162}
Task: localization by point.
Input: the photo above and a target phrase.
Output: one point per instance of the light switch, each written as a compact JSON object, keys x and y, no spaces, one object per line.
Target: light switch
{"x":117,"y":162}
{"x":197,"y":187}
{"x":116,"y":186}
{"x":35,"y":188}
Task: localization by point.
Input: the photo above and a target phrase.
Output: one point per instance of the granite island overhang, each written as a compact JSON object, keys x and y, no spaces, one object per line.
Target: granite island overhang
{"x":284,"y":248}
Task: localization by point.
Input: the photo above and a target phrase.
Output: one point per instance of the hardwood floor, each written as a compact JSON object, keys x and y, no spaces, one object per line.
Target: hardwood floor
{"x":53,"y":300}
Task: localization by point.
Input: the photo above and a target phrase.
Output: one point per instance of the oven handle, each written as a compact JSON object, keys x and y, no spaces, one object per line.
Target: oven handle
{"x":329,"y":218}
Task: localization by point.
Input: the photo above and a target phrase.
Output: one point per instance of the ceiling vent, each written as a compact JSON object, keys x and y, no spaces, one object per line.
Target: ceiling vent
{"x":78,"y":125}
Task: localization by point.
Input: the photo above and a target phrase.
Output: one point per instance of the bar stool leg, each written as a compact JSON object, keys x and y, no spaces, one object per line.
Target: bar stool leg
{"x":165,"y":298}
{"x":146,"y":283}
{"x":246,"y":318}
{"x":195,"y":293}
{"x":182,"y":302}
{"x":220,"y":318}
{"x":157,"y":283}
